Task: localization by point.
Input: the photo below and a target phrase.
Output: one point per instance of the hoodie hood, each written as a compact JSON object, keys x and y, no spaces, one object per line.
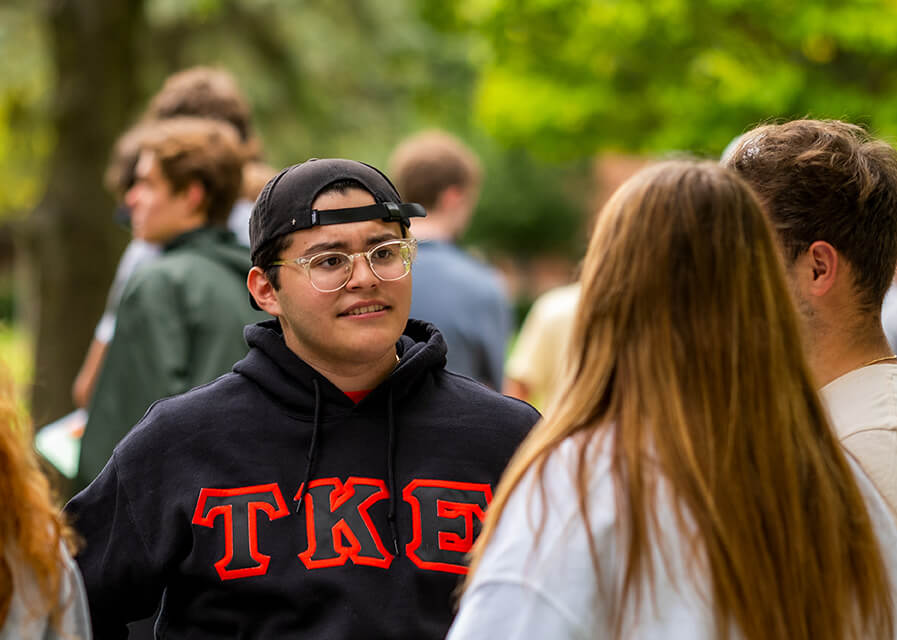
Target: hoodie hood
{"x":217,"y":244}
{"x":421,"y":350}
{"x":301,"y":389}
{"x":283,"y":499}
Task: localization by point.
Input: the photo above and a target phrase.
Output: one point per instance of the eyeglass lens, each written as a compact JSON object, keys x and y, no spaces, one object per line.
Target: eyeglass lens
{"x":389,"y":261}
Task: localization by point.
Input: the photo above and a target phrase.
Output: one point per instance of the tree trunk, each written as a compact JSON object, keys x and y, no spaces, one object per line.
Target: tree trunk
{"x":70,"y":243}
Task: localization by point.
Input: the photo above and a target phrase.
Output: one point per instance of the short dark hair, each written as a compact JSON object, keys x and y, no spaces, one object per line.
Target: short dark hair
{"x":271,"y":252}
{"x":426,"y":164}
{"x":201,"y":150}
{"x":204,"y":92}
{"x":832,"y":181}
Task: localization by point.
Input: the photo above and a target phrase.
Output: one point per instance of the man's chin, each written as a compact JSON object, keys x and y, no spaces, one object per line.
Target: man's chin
{"x":373,"y":349}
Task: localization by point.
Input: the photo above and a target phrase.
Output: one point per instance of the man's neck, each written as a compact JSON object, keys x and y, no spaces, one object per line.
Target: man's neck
{"x":352,"y":376}
{"x":191,"y":225}
{"x":834,"y":354}
{"x":431,"y":228}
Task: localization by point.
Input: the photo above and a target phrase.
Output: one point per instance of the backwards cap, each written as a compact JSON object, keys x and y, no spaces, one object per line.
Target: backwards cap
{"x":284,"y":205}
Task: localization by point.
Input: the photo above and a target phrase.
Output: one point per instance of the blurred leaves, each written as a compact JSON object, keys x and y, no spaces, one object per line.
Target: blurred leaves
{"x":538,"y":86}
{"x":25,"y":138}
{"x":325,"y":79}
{"x":568,"y":77}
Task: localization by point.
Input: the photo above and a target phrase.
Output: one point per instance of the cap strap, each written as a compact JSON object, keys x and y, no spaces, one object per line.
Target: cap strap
{"x":387,"y":211}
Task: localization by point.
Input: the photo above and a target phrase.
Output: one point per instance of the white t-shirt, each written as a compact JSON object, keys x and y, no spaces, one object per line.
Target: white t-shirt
{"x":21,"y":622}
{"x":863,"y":407}
{"x":137,"y":253}
{"x":551,"y":590}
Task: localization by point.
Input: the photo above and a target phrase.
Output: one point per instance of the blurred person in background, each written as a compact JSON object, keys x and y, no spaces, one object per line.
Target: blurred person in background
{"x":119,"y":179}
{"x":181,"y":317}
{"x":209,"y":92}
{"x":539,"y":359}
{"x":889,"y":316}
{"x":329,"y":486}
{"x":41,"y":594}
{"x":830,"y":190}
{"x":462,"y":296}
{"x":686,"y":482}
{"x":204,"y":92}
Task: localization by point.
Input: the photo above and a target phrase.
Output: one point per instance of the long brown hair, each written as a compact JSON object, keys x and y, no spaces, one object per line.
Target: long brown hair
{"x":31,"y":526}
{"x":686,"y":360}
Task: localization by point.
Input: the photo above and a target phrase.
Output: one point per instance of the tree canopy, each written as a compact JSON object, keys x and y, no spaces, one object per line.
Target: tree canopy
{"x":568,"y":77}
{"x":537,"y":87}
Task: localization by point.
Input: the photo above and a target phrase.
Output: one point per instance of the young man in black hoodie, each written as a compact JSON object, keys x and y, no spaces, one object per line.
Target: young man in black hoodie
{"x":331,"y":485}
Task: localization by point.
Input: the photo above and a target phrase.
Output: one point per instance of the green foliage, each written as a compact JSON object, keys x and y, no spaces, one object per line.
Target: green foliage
{"x":528,"y":208}
{"x":15,"y":347}
{"x":25,"y":137}
{"x":569,"y":77}
{"x":325,"y":79}
{"x":352,"y":79}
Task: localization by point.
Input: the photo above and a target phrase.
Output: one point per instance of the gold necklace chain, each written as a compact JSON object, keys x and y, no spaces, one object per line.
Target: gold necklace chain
{"x":891,"y":357}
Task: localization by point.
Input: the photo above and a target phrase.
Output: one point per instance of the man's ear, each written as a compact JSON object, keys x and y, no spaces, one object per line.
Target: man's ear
{"x":457,"y":205}
{"x":263,"y":291}
{"x":196,"y":196}
{"x":822,"y":258}
{"x":450,"y":198}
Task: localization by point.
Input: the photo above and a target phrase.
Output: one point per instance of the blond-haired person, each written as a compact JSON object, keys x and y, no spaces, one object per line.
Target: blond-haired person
{"x":686,"y":482}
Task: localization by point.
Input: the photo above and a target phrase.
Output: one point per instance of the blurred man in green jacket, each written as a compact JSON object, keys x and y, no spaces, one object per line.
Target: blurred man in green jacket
{"x":181,"y":319}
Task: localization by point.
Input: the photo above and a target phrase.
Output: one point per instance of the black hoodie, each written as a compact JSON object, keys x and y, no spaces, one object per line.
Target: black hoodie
{"x":266,"y":504}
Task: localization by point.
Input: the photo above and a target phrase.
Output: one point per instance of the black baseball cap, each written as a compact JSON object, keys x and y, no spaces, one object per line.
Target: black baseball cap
{"x":284,"y":205}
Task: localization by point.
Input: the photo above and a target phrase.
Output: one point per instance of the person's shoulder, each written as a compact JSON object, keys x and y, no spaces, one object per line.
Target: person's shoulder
{"x":880,"y":512}
{"x":169,"y":267}
{"x":567,"y":294}
{"x":478,"y":398}
{"x":558,"y":302}
{"x":459,"y":258}
{"x":208,"y":407}
{"x":187,"y":267}
{"x":479,"y":276}
{"x":549,"y":495}
{"x":150,"y":283}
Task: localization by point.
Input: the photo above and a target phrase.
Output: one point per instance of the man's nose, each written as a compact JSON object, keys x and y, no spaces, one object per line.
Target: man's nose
{"x":362,"y":276}
{"x":131,"y":195}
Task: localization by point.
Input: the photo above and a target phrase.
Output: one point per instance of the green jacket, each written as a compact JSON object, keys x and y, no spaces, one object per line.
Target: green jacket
{"x":180,"y":324}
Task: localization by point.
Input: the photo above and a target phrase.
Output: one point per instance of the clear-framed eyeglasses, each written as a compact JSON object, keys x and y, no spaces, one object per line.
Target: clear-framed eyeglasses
{"x":329,"y":271}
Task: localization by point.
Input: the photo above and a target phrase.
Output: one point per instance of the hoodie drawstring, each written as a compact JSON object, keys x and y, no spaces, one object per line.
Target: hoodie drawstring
{"x":391,"y":472}
{"x":314,"y":445}
{"x":390,"y":462}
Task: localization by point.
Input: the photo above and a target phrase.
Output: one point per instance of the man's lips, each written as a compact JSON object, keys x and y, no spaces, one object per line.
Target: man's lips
{"x":363,"y":308}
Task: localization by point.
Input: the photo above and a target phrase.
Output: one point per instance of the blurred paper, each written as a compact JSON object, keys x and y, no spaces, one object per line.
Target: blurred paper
{"x":60,"y":442}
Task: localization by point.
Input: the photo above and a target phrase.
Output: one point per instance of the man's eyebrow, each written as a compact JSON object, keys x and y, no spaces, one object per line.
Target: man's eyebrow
{"x":326,"y":246}
{"x":343,"y":246}
{"x":383,"y":237}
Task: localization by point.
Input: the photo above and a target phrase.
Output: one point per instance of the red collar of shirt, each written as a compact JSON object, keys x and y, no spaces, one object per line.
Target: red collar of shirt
{"x":357,"y":396}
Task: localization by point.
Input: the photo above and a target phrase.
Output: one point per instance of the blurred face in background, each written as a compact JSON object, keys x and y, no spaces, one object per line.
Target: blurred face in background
{"x":158,"y":214}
